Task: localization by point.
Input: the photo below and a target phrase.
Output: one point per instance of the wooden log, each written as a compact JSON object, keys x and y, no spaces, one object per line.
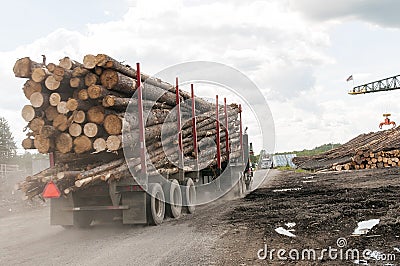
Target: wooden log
{"x":89,"y":61}
{"x":91,"y":79}
{"x":79,"y":71}
{"x":85,"y":181}
{"x":67,"y":63}
{"x":39,"y":100}
{"x":51,"y":113}
{"x":62,"y":107}
{"x":99,"y":145}
{"x":83,"y":94}
{"x":27,"y":144}
{"x":36,"y":124}
{"x":114,"y":142}
{"x":96,"y":114}
{"x":64,"y":142}
{"x":82,"y":144}
{"x":92,"y":130}
{"x":113,"y":80}
{"x":47,"y":131}
{"x":51,"y":83}
{"x":101,"y":168}
{"x":75,"y":129}
{"x":40,"y":74}
{"x":106,"y":61}
{"x":51,"y":67}
{"x":24,"y":67}
{"x":67,"y":175}
{"x":28,"y":113}
{"x":99,"y":92}
{"x":80,"y":117}
{"x":54,"y":99}
{"x":112,"y":124}
{"x":31,"y":87}
{"x":42,"y":144}
{"x":76,"y":104}
{"x":60,"y":122}
{"x":77,"y":83}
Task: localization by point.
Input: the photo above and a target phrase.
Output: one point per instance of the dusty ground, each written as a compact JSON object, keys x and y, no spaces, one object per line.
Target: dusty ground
{"x":325,"y":207}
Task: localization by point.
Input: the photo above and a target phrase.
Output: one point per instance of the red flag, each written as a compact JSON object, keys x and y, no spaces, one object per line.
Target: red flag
{"x":349,"y":78}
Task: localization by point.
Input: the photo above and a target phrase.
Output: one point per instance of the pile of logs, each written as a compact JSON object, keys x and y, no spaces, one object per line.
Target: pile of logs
{"x":77,"y":112}
{"x":367,"y":151}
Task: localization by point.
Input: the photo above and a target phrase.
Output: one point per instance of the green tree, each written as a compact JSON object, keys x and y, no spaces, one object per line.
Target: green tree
{"x":7,"y":143}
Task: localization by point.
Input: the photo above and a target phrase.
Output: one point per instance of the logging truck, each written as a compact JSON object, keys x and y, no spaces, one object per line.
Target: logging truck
{"x":79,"y":161}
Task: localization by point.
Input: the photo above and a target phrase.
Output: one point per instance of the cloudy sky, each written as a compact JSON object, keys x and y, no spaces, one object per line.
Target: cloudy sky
{"x":297,"y":52}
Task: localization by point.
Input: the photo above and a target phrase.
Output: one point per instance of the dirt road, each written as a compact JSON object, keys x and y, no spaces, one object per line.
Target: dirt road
{"x":26,"y":238}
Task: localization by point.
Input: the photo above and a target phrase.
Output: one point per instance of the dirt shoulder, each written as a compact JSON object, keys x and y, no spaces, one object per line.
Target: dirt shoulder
{"x":324,"y":208}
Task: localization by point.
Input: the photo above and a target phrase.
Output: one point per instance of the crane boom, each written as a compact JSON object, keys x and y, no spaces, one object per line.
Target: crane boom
{"x":387,"y":84}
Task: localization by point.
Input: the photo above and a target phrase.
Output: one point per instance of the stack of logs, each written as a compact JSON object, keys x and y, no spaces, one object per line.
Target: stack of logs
{"x":371,"y":160}
{"x":367,"y":151}
{"x":77,"y":112}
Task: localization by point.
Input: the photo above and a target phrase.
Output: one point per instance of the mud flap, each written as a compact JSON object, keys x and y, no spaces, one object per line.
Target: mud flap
{"x":136,"y":214}
{"x":61,"y":211}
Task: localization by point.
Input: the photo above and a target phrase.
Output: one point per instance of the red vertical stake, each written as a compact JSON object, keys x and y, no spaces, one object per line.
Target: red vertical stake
{"x":178,"y":115}
{"x":142,"y":138}
{"x":241,"y":131}
{"x":194,"y":126}
{"x":226,"y":130}
{"x":218,"y":135}
{"x":51,"y":158}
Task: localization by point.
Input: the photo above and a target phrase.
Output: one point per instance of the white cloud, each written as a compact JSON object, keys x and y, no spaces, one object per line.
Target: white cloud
{"x":271,"y":42}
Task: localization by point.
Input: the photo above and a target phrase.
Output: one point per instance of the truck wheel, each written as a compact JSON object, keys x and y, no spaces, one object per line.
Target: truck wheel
{"x":82,"y":219}
{"x":173,"y":198}
{"x":189,"y":196}
{"x":155,"y":204}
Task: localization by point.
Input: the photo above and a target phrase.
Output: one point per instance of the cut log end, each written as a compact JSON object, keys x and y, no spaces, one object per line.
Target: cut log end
{"x":64,"y":143}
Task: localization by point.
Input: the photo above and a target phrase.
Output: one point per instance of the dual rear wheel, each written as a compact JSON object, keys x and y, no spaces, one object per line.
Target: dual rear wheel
{"x":169,"y":200}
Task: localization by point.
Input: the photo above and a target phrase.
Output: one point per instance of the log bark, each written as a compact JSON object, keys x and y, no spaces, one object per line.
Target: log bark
{"x":101,"y":168}
{"x":113,"y":80}
{"x":24,"y":67}
{"x":31,"y":87}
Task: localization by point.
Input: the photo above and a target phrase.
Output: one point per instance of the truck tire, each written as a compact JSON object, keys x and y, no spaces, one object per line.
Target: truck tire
{"x":189,"y":196}
{"x":155,"y":204}
{"x":82,"y":219}
{"x":173,"y":198}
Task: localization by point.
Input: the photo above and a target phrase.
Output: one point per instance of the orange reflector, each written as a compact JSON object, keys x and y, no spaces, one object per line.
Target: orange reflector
{"x":51,"y":191}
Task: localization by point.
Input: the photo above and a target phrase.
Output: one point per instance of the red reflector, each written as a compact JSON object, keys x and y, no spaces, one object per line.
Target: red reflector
{"x":51,"y":191}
